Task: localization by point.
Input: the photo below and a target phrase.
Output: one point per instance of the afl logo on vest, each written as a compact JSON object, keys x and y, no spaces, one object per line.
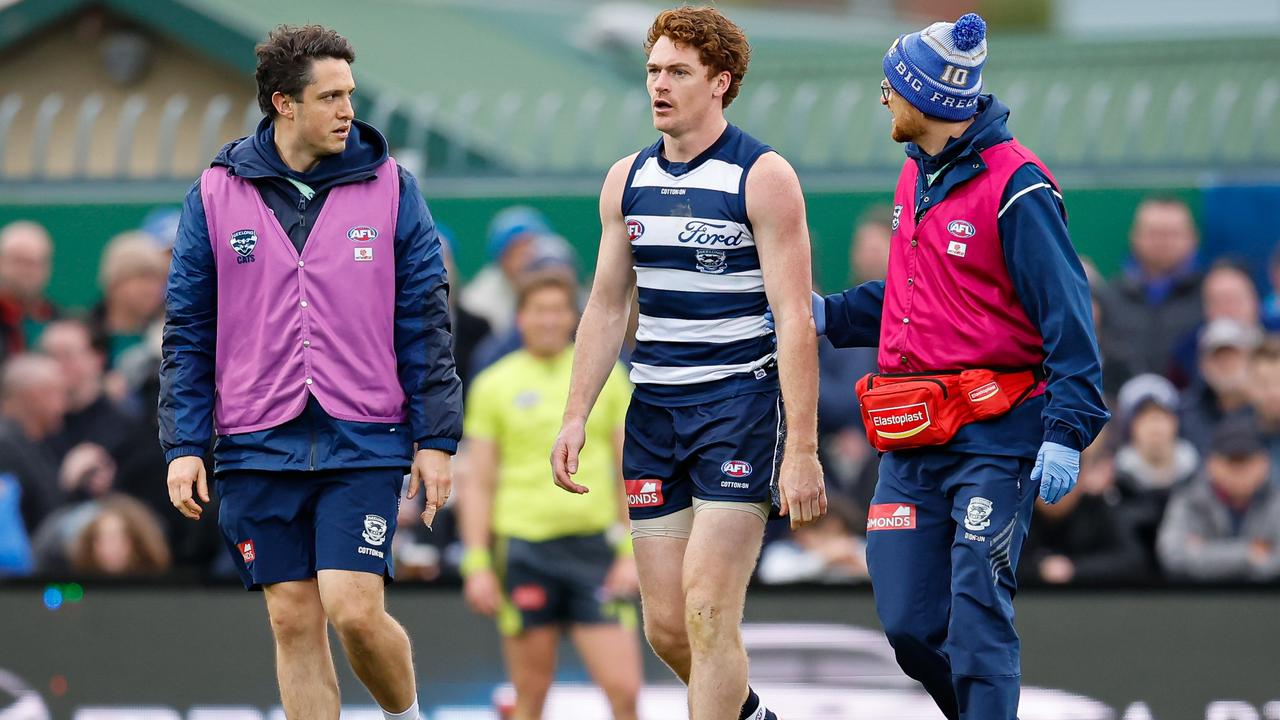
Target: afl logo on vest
{"x":243,"y":242}
{"x":634,"y":230}
{"x":961,"y":229}
{"x":362,"y":233}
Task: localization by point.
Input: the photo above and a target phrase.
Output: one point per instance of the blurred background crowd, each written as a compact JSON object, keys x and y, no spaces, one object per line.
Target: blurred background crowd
{"x":1182,"y":485}
{"x":1158,"y":117}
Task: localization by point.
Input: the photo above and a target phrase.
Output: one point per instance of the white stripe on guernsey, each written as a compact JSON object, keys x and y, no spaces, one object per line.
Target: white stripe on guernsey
{"x":1024,"y":191}
{"x":692,"y":232}
{"x":662,"y":375}
{"x":649,"y":278}
{"x":660,"y":329}
{"x":710,"y":175}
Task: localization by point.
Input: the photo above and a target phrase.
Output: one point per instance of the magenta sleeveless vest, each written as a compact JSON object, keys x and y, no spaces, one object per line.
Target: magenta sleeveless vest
{"x":319,"y":324}
{"x":949,"y":303}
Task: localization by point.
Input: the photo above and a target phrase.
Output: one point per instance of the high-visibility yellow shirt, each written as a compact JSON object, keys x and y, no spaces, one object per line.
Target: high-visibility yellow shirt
{"x":517,"y":403}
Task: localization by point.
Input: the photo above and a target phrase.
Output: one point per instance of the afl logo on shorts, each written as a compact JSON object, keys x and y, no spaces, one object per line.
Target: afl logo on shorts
{"x":634,"y":230}
{"x":736,"y":468}
{"x":961,"y":229}
{"x":362,"y":233}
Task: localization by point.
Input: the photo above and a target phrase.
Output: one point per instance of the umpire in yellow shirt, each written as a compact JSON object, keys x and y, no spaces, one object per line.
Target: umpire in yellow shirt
{"x":539,"y":560}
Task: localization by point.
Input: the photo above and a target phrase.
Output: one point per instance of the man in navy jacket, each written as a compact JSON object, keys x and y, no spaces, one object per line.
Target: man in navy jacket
{"x":310,"y":486}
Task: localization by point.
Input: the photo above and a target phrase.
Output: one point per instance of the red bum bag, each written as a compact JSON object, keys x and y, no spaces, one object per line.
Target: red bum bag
{"x":910,"y":410}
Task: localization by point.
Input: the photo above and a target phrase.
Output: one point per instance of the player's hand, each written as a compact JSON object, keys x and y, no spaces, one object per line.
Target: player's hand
{"x":623,"y":581}
{"x":564,"y":455}
{"x":1057,"y":469}
{"x":433,"y":469}
{"x":801,"y":487}
{"x":184,"y":473}
{"x":482,"y":593}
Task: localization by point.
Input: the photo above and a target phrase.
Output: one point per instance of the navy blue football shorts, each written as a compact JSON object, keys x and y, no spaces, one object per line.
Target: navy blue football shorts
{"x":282,"y":526}
{"x":721,"y":451}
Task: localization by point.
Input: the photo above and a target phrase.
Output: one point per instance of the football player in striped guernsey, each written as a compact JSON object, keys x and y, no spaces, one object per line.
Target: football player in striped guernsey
{"x":709,"y":225}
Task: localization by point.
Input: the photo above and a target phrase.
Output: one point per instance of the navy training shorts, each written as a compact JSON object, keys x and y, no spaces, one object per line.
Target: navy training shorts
{"x":286,"y":525}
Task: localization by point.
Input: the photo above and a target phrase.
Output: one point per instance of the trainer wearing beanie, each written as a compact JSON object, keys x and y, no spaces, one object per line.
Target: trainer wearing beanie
{"x":989,"y":381}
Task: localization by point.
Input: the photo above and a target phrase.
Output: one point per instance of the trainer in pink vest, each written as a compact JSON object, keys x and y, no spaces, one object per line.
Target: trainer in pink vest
{"x":321,"y":323}
{"x":949,"y":303}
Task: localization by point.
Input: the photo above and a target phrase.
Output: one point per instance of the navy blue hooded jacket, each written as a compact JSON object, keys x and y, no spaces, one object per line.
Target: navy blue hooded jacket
{"x":313,"y":440}
{"x":1049,"y":280}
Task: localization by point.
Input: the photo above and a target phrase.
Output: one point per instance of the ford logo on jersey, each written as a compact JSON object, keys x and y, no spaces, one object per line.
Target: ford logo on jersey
{"x":362,"y":233}
{"x":701,"y":232}
{"x":736,"y":468}
{"x":961,"y":229}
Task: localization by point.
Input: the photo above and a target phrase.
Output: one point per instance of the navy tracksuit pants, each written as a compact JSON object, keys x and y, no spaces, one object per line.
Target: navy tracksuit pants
{"x":944,"y":534}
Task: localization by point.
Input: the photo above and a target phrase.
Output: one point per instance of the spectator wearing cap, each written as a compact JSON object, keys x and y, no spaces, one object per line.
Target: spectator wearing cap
{"x":1225,"y":525}
{"x":132,"y":276}
{"x":1157,"y":298}
{"x":491,"y":294}
{"x":1153,"y":459}
{"x":1085,"y":538}
{"x":546,"y":255}
{"x":1223,"y":386}
{"x":1264,"y":393}
{"x":26,"y":264}
{"x":1227,"y":292}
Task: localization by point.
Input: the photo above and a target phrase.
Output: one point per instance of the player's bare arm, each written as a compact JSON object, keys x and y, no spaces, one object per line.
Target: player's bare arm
{"x":602,"y":328}
{"x":775,"y":205}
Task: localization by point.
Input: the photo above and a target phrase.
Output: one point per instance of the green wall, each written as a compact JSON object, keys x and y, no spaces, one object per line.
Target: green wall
{"x":1099,"y":224}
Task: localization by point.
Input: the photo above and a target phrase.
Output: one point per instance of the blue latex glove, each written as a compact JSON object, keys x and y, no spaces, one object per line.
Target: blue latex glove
{"x":819,"y":314}
{"x":1057,"y":468}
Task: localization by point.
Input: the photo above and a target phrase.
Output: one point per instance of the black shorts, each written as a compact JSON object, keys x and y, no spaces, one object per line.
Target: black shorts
{"x":556,"y":582}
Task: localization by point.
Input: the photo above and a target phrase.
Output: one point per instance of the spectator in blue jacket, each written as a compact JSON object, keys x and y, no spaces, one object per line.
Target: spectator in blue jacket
{"x":308,"y":327}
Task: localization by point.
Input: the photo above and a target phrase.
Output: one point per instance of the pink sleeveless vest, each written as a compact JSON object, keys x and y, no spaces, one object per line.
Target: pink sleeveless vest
{"x":949,"y":303}
{"x":319,"y":324}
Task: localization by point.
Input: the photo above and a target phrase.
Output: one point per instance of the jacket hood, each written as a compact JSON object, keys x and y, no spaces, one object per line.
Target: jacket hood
{"x":990,"y":127}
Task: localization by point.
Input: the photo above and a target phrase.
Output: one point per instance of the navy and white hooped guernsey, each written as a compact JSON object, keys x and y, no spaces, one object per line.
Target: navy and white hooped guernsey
{"x":702,"y":334}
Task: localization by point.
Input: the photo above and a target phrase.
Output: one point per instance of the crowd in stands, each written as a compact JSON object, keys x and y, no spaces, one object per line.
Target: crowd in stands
{"x":1181,"y":486}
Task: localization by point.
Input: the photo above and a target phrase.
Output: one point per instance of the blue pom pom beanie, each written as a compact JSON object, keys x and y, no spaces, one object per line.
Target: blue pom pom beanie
{"x":939,"y":69}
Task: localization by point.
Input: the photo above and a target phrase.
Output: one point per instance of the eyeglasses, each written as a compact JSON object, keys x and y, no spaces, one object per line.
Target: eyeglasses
{"x":885,"y":90}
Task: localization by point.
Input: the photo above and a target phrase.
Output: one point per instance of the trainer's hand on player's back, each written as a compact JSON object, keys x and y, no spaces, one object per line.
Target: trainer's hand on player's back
{"x":564,"y":455}
{"x":433,"y":469}
{"x":482,"y":593}
{"x":185,"y":473}
{"x":803,"y":492}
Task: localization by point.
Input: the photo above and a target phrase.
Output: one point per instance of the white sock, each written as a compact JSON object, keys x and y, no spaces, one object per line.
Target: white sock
{"x":410,"y":714}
